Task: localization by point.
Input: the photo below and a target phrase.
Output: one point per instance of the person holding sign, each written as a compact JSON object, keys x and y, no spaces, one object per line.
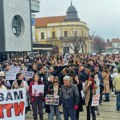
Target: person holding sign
{"x":36,"y":96}
{"x":90,"y":90}
{"x":54,"y":89}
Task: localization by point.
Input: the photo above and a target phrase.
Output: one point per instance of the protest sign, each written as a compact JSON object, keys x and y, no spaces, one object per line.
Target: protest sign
{"x":11,"y":74}
{"x":12,"y":104}
{"x":52,"y":100}
{"x":95,"y":100}
{"x":27,"y":74}
{"x":38,"y":89}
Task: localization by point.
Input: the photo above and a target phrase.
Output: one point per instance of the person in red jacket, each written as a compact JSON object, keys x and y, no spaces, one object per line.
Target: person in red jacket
{"x":36,"y":99}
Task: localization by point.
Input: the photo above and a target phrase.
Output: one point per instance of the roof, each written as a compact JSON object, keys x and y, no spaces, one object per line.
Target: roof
{"x":115,"y":40}
{"x":42,"y":22}
{"x":71,"y":14}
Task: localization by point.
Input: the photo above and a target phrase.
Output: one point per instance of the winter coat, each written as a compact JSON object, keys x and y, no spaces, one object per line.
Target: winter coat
{"x":69,"y":96}
{"x":116,"y":83}
{"x":86,"y":90}
{"x":32,"y":98}
{"x":80,"y":87}
{"x":106,"y":82}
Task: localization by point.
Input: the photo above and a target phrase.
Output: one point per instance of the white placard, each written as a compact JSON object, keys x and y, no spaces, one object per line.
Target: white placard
{"x":95,"y":100}
{"x":37,"y":89}
{"x":11,"y":74}
{"x":28,"y":74}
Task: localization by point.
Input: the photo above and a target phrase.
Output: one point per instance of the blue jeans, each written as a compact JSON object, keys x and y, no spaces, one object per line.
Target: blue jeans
{"x":107,"y":99}
{"x":118,"y":101}
{"x":69,"y":113}
{"x":54,"y":110}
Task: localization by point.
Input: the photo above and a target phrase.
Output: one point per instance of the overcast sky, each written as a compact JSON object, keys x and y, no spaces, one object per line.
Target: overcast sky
{"x":101,"y":16}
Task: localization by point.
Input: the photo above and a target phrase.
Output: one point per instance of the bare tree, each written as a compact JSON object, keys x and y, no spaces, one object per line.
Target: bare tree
{"x":99,"y":44}
{"x":76,"y":43}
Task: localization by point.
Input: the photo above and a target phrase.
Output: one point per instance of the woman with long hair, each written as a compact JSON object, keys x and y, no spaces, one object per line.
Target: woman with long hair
{"x":90,"y":90}
{"x":54,"y":89}
{"x":36,"y":98}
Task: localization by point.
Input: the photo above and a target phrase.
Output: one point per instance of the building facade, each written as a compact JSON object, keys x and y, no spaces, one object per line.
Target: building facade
{"x":67,"y":33}
{"x":113,"y":45}
{"x":15,"y":26}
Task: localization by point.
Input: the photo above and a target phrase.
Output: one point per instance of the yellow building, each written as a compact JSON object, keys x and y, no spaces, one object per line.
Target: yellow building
{"x":68,"y":33}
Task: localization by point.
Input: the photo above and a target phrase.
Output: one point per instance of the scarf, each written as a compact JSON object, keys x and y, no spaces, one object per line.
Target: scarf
{"x":92,"y":85}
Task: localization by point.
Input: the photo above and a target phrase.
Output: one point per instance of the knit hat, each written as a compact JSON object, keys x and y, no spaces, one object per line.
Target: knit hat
{"x":66,"y":78}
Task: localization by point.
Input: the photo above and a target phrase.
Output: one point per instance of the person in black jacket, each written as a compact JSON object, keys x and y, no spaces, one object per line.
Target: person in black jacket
{"x":80,"y":87}
{"x":54,"y":89}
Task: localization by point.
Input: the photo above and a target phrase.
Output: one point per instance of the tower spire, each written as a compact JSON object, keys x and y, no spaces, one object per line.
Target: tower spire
{"x":71,"y":2}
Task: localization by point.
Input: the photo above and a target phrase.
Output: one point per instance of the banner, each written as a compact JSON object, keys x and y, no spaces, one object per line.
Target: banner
{"x":11,"y":74}
{"x":95,"y":100}
{"x":52,"y":100}
{"x":12,"y":104}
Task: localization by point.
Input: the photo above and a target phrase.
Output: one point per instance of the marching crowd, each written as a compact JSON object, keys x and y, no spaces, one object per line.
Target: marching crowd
{"x":74,"y":78}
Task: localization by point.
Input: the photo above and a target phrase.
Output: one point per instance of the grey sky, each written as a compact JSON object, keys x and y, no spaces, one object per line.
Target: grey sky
{"x":101,"y":16}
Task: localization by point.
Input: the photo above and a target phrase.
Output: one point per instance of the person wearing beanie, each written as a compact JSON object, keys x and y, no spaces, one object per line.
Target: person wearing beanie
{"x":69,"y":97}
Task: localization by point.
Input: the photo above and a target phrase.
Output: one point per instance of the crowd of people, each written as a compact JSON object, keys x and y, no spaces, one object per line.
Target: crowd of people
{"x":74,"y":78}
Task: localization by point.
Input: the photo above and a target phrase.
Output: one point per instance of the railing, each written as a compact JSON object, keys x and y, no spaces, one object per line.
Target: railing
{"x":52,"y":38}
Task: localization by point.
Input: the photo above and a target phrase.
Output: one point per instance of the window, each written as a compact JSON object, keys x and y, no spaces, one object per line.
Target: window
{"x":65,"y":34}
{"x":82,"y":33}
{"x":16,"y":26}
{"x":65,"y":50}
{"x":42,"y":35}
{"x":75,"y":33}
{"x":53,"y":34}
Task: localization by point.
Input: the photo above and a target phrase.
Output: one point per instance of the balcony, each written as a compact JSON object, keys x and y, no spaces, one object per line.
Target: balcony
{"x":35,"y":6}
{"x":52,"y":38}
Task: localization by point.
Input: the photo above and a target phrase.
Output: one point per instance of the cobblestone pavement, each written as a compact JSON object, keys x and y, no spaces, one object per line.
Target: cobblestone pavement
{"x":107,"y":111}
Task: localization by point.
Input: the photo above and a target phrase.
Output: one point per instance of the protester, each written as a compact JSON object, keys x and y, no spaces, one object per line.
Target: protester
{"x":54,"y":89}
{"x":97,"y":81}
{"x":69,"y":97}
{"x":106,"y":82}
{"x":80,"y":87}
{"x":113,"y":75}
{"x":2,"y":87}
{"x":116,"y":84}
{"x":36,"y":98}
{"x":90,"y":90}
